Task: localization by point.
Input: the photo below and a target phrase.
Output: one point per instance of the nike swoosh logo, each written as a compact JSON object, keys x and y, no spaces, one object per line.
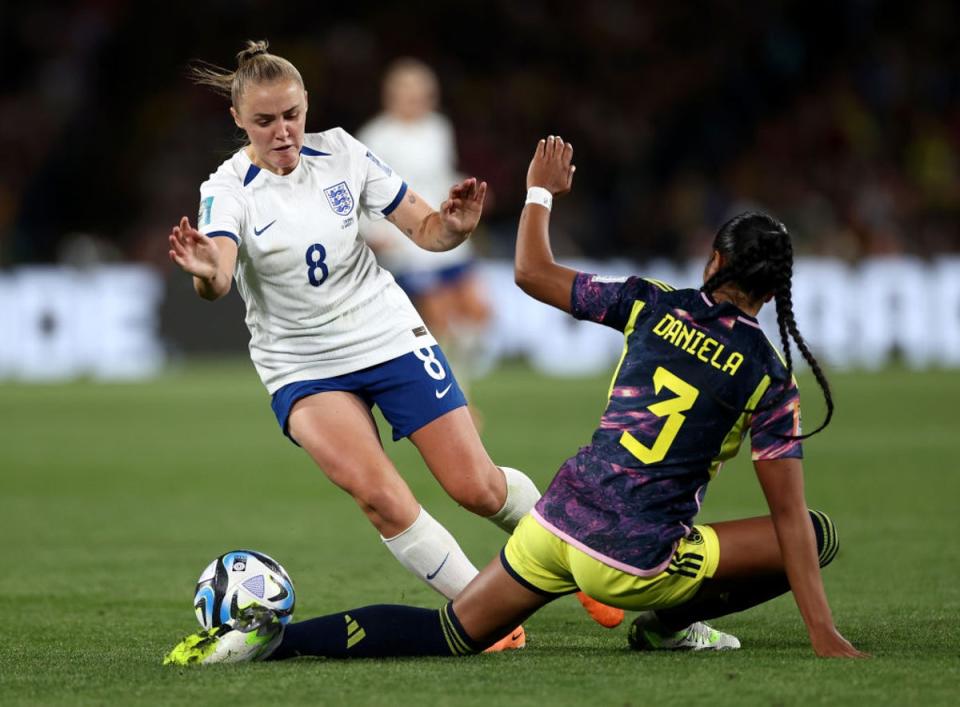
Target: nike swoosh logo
{"x":437,"y":571}
{"x":258,"y":231}
{"x":441,"y":393}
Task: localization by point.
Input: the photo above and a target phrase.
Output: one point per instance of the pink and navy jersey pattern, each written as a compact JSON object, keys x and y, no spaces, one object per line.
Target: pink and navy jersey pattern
{"x":690,"y":368}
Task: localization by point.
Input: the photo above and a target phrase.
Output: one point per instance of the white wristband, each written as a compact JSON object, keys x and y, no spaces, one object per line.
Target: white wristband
{"x":540,"y":196}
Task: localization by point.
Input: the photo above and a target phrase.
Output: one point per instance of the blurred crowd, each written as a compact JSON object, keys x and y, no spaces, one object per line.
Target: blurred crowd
{"x":842,"y":119}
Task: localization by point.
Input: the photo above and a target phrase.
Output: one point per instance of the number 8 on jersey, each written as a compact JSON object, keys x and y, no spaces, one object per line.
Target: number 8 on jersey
{"x":316,"y":255}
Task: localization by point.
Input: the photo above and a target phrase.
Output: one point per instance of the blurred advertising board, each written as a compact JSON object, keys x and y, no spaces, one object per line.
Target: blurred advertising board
{"x":123,"y":322}
{"x":59,"y":323}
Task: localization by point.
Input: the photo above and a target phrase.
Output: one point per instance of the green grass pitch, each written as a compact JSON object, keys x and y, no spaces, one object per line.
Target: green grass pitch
{"x":114,"y":497}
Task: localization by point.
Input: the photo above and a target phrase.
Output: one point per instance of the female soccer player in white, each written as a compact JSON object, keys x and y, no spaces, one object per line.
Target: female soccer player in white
{"x":331,"y":333}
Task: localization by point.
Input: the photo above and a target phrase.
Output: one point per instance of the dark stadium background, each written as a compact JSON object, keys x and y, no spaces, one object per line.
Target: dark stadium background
{"x":841,"y":117}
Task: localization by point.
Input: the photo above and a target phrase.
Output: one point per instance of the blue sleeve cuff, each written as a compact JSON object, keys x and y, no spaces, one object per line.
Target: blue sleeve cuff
{"x":224,"y":234}
{"x":396,"y":200}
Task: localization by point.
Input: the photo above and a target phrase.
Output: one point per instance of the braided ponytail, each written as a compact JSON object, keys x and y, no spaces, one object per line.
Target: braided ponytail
{"x":758,"y":261}
{"x":788,"y":325}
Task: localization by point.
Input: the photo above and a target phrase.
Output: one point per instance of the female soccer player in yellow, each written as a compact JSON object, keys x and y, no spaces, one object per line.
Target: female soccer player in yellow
{"x":618,"y":519}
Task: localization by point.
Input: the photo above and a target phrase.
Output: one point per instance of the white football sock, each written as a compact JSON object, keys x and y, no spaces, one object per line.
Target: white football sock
{"x":522,"y":496}
{"x":428,"y":550}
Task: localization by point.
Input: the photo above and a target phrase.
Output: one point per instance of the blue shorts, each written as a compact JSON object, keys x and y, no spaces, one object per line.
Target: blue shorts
{"x":410,"y":390}
{"x":421,"y":282}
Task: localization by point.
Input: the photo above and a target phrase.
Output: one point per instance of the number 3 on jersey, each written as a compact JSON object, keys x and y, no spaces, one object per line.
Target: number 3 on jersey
{"x":673,"y":409}
{"x":316,"y":255}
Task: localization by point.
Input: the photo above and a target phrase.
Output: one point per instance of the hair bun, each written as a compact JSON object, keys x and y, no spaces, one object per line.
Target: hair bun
{"x":251,"y":50}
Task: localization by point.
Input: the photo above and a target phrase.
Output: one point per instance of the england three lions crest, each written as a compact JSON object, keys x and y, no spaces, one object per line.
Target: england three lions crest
{"x":340,"y":198}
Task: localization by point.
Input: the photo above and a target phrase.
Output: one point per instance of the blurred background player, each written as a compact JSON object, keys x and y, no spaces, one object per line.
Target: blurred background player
{"x":415,"y":139}
{"x":618,"y":519}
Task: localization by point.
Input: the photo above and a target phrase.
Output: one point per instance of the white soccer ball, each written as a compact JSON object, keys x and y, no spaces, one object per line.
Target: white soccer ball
{"x":238,"y":580}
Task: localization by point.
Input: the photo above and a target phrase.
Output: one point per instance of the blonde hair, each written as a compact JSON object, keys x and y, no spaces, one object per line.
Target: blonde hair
{"x":255,"y":65}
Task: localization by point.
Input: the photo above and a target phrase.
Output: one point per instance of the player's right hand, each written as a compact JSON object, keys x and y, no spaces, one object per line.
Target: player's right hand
{"x":552,"y":166}
{"x":193,"y":251}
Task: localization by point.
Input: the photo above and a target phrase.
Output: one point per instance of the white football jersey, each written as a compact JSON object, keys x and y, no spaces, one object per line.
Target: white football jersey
{"x":425,"y":153}
{"x":318,"y":305}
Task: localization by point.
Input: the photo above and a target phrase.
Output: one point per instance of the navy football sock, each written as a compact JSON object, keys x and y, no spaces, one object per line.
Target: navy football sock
{"x":378,"y":631}
{"x":827,"y":542}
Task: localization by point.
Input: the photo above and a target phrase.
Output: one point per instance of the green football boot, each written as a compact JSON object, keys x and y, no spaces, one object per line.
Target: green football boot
{"x":253,"y":638}
{"x":646,"y":634}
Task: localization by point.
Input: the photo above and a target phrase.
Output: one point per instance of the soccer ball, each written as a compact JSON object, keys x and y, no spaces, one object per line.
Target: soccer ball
{"x":238,"y":580}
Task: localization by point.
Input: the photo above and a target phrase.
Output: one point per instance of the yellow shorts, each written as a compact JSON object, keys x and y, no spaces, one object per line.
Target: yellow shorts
{"x":546,"y":564}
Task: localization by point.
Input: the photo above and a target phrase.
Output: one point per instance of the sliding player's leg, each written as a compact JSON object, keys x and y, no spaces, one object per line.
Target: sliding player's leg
{"x":490,"y":605}
{"x":750,"y":572}
{"x":531,"y":571}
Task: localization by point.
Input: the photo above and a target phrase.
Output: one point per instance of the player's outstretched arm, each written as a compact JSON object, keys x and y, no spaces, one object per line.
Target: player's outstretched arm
{"x":210,"y":263}
{"x":535,"y":270}
{"x":782,"y":483}
{"x":448,"y":227}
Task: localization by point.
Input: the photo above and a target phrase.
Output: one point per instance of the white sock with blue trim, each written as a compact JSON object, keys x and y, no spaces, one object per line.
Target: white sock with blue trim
{"x":522,"y":496}
{"x":428,"y":550}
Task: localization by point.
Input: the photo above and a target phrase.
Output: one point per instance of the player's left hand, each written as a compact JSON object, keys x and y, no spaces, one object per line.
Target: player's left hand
{"x":828,"y":643}
{"x":460,"y":213}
